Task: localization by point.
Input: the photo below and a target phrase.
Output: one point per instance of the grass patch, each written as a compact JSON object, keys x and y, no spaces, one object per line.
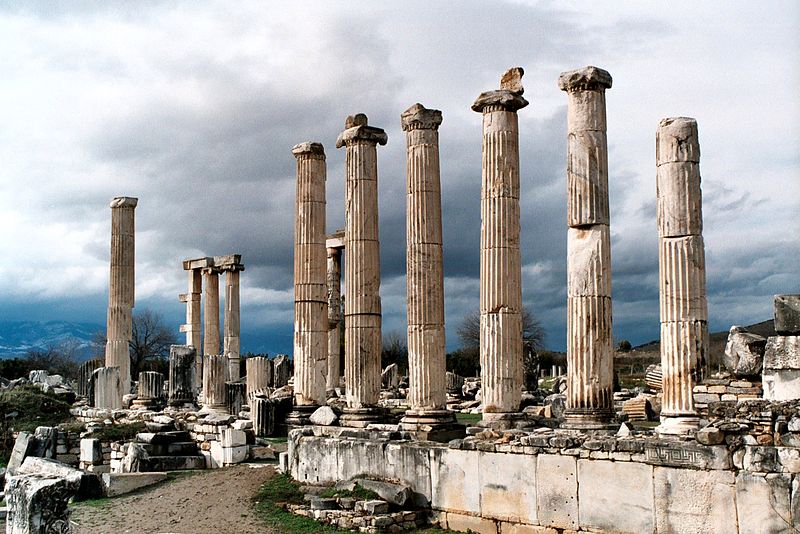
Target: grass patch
{"x":469,"y":419}
{"x":73,"y":427}
{"x":26,"y":407}
{"x":280,"y":490}
{"x":119,"y":432}
{"x":101,"y":502}
{"x":359,"y":493}
{"x":276,"y":440}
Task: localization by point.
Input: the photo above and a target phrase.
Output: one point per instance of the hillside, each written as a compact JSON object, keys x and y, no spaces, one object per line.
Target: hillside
{"x":18,"y":337}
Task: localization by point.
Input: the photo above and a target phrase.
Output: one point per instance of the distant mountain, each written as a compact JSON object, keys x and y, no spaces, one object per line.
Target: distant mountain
{"x":18,"y":337}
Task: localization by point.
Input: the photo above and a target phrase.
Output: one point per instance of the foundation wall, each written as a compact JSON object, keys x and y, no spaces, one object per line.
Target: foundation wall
{"x":655,"y":486}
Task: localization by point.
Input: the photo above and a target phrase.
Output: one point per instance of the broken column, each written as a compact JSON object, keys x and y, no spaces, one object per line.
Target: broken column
{"x":427,"y":398}
{"x":682,"y":272}
{"x":107,"y":386}
{"x":501,"y":269}
{"x":149,"y":393}
{"x":193,"y":327}
{"x":310,"y":284}
{"x":335,"y":245}
{"x":782,"y":353}
{"x":590,"y":355}
{"x":215,"y":370}
{"x":211,"y":311}
{"x":182,"y":360}
{"x":37,"y":498}
{"x":362,"y":333}
{"x":121,"y":290}
{"x":258,"y":374}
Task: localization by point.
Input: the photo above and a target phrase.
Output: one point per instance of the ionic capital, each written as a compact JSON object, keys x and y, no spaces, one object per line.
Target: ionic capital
{"x":123,"y":202}
{"x":309,"y":148}
{"x":357,"y":129}
{"x":585,"y":79}
{"x":418,"y":117}
{"x":508,"y":97}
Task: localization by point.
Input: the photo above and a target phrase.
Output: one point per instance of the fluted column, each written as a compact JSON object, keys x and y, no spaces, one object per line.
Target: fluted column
{"x":427,"y":397}
{"x":232,"y":344}
{"x":193,"y":327}
{"x":310,"y":281}
{"x":211,"y":311}
{"x":682,"y":271}
{"x":590,"y":356}
{"x":149,"y":391}
{"x":107,"y":386}
{"x":121,"y":287}
{"x":182,"y":359}
{"x":362,"y":335}
{"x":215,"y":373}
{"x":501,"y":269}
{"x":259,"y":374}
{"x":334,"y":316}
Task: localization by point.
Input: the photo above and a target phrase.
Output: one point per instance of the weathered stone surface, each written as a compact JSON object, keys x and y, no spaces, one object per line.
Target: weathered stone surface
{"x":107,"y":388}
{"x":24,"y":445}
{"x":258,"y":375}
{"x":135,"y":459}
{"x":763,"y":503}
{"x":91,"y":451}
{"x":37,"y":503}
{"x":503,"y":492}
{"x":324,"y":415}
{"x":454,"y":482}
{"x":688,"y":500}
{"x":281,"y":370}
{"x":781,"y":384}
{"x":396,"y":494}
{"x":182,"y":385}
{"x":710,"y":436}
{"x":585,"y":79}
{"x":557,"y":490}
{"x":334,"y":282}
{"x":116,"y":484}
{"x":262,"y":412}
{"x":787,"y":314}
{"x":744,"y":352}
{"x":390,"y":377}
{"x":686,"y":454}
{"x":782,"y":352}
{"x":215,"y":372}
{"x":616,"y":496}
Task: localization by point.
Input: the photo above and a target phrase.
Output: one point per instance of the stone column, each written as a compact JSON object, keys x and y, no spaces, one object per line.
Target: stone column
{"x":215,"y":372}
{"x":211,"y":312}
{"x":232,"y":344}
{"x":193,"y":327}
{"x":682,"y":272}
{"x":362,"y":277}
{"x":590,"y":354}
{"x":107,"y":386}
{"x":121,"y":290}
{"x":262,"y":413}
{"x":150,"y":390}
{"x":427,"y":397}
{"x":259,"y":374}
{"x":182,"y":359}
{"x":310,"y":285}
{"x":235,"y":397}
{"x":334,"y":316}
{"x":501,"y":269}
{"x":85,"y":377}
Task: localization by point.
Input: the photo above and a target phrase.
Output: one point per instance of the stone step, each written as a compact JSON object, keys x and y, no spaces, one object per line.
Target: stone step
{"x":174,"y":463}
{"x":161,"y":438}
{"x":179,"y":448}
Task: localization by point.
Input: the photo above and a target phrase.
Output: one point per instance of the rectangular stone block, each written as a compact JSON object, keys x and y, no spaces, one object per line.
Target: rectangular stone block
{"x":233,"y":438}
{"x":684,"y":454}
{"x":763,"y":503}
{"x":454,"y":474}
{"x":507,"y":488}
{"x":471,"y":523}
{"x":689,"y":500}
{"x":519,"y":528}
{"x":615,"y":496}
{"x":782,"y":352}
{"x":781,"y":384}
{"x":411,"y":465}
{"x":121,"y":483}
{"x":557,"y":490}
{"x":787,"y":314}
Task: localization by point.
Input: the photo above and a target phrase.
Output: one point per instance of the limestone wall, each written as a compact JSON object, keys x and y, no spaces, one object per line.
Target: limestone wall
{"x":537,"y":486}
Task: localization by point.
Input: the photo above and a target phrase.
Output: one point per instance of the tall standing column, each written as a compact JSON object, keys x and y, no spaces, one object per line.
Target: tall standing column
{"x":310,"y":283}
{"x":121,"y":290}
{"x":193,"y":327}
{"x":501,"y":269}
{"x":362,"y":278}
{"x":232,"y":343}
{"x":427,"y":398}
{"x":590,"y":356}
{"x":682,"y":271}
{"x":334,"y":316}
{"x":211,"y":311}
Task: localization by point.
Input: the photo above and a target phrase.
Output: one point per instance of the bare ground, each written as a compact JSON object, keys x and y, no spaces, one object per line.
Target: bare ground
{"x":216,"y":501}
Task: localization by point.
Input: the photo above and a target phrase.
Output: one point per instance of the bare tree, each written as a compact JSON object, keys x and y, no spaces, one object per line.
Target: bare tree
{"x":150,"y":340}
{"x":394,"y":349}
{"x":532,"y":332}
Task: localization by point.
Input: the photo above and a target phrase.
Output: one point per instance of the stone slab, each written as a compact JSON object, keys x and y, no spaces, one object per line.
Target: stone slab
{"x":684,"y":454}
{"x":454,"y":480}
{"x":763,"y":503}
{"x":615,"y":496}
{"x":121,"y":483}
{"x":411,"y":465}
{"x":781,"y":384}
{"x":505,"y":489}
{"x":782,"y":352}
{"x":557,"y":490}
{"x":470,"y":523}
{"x":694,"y":501}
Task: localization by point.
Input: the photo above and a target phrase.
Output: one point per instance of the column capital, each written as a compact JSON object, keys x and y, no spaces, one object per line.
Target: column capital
{"x":508,"y":97}
{"x":309,"y":148}
{"x":123,"y":202}
{"x":585,"y":79}
{"x":418,"y":117}
{"x":676,"y":140}
{"x":357,"y":129}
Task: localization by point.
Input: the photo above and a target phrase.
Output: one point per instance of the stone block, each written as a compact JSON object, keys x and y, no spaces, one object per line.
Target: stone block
{"x":686,"y":454}
{"x":615,"y":496}
{"x":233,"y":438}
{"x":454,"y":476}
{"x":259,"y":452}
{"x":411,"y":465}
{"x":744,"y":353}
{"x":706,"y":398}
{"x":761,"y":459}
{"x":91,"y":451}
{"x":763,"y":503}
{"x":710,"y":436}
{"x":557,"y":490}
{"x":373,"y":507}
{"x":781,"y":384}
{"x":324,"y":415}
{"x":519,"y":528}
{"x":787,"y":314}
{"x":795,"y":504}
{"x":782,"y":352}
{"x":471,"y":523}
{"x":23,"y":446}
{"x":789,"y":458}
{"x":506,"y":491}
{"x":689,"y":500}
{"x":116,"y":484}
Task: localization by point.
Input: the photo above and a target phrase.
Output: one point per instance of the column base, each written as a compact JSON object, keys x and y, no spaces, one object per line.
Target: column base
{"x":300,"y":415}
{"x":678,"y":425}
{"x":361,"y":417}
{"x":432,"y":425}
{"x":214,"y":409}
{"x":144,"y":404}
{"x":587,"y":420}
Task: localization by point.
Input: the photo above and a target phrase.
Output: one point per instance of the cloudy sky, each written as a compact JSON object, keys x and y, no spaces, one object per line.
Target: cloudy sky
{"x":193,"y":107}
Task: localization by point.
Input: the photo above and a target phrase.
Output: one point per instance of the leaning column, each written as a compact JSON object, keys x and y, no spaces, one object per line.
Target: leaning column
{"x":682,"y":271}
{"x":590,"y":356}
{"x":427,"y":398}
{"x":334,"y":277}
{"x":310,"y":284}
{"x":362,"y":326}
{"x":121,"y":290}
{"x":501,"y":270}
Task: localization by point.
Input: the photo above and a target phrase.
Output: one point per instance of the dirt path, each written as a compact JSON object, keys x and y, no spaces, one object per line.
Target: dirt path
{"x":209,"y":502}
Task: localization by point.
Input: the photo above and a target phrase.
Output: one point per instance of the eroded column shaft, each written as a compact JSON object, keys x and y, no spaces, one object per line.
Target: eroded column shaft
{"x":682,"y":276}
{"x":334,"y":278}
{"x":259,"y":374}
{"x":211,"y":312}
{"x":310,"y":278}
{"x":194,"y":325}
{"x":214,"y":375}
{"x":232,"y":344}
{"x":182,"y":365}
{"x":590,"y":356}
